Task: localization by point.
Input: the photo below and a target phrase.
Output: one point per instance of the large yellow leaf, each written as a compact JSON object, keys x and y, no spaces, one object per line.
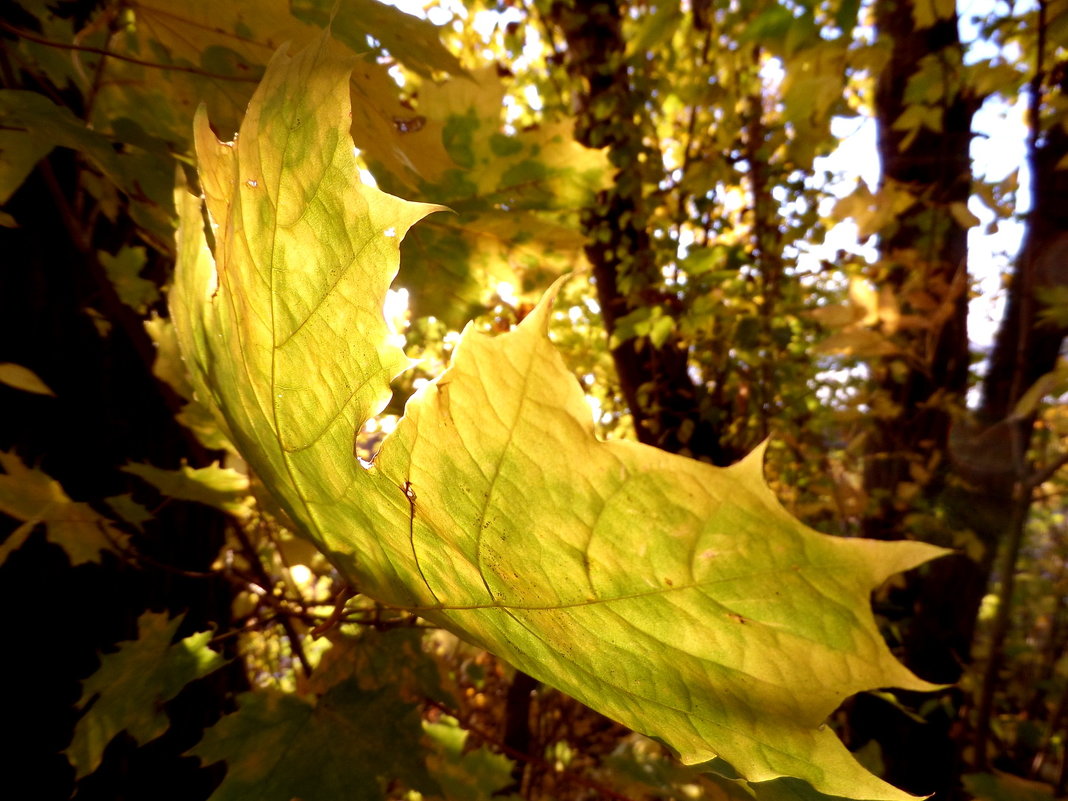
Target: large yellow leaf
{"x":676,"y":597}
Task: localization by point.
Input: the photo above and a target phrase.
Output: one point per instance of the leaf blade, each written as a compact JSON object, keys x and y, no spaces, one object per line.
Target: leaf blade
{"x":129,"y":689}
{"x":493,"y":510}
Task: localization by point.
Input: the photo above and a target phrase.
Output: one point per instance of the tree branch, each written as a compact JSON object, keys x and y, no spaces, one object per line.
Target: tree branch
{"x":30,"y":37}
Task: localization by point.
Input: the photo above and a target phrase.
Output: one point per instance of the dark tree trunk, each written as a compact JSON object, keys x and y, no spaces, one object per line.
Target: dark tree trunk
{"x":923,"y":260}
{"x":663,"y":400}
{"x":976,"y":466}
{"x":996,"y":450}
{"x":1025,"y":348}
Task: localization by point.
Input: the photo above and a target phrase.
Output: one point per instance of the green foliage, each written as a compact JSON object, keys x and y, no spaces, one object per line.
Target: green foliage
{"x":514,"y":195}
{"x":466,"y":775}
{"x":129,"y":690}
{"x":360,"y":22}
{"x":124,"y":271}
{"x":1005,"y":787}
{"x":215,"y":486}
{"x":346,"y":743}
{"x":33,"y":125}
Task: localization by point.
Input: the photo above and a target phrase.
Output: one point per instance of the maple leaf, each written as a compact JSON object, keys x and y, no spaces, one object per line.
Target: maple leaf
{"x":34,"y":497}
{"x":466,"y":774}
{"x":129,"y":690}
{"x":676,"y":597}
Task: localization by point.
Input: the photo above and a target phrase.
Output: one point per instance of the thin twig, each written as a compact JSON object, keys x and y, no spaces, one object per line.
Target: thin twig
{"x":1040,"y":477}
{"x":265,"y":579}
{"x":336,"y":616}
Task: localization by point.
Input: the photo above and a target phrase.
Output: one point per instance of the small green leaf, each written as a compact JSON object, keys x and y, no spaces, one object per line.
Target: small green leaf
{"x":129,"y":509}
{"x":1053,"y":383}
{"x":1006,"y":787}
{"x":221,"y":487}
{"x":661,"y":329}
{"x":129,"y":690}
{"x":168,"y":366}
{"x":48,"y":125}
{"x":465,"y":774}
{"x":845,"y":18}
{"x":20,"y":150}
{"x":123,"y":270}
{"x":657,"y":28}
{"x":389,"y":659}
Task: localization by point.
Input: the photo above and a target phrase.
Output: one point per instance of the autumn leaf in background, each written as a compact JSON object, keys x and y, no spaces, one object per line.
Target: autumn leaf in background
{"x":33,"y":497}
{"x":129,"y":690}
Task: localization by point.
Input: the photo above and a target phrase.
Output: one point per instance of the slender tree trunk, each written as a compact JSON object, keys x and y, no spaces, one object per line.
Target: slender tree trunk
{"x":923,"y":258}
{"x":968,"y":472}
{"x":995,"y":452}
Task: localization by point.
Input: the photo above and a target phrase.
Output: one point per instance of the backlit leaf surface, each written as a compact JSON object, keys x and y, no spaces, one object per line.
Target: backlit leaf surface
{"x":412,"y":40}
{"x":221,"y":487}
{"x":678,"y":598}
{"x":516,"y":196}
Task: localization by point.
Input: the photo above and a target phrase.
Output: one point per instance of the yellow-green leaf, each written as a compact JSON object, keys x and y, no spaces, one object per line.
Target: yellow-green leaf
{"x":21,"y":151}
{"x":34,"y":497}
{"x":19,"y":377}
{"x":124,"y":271}
{"x":466,"y":774}
{"x":129,"y":510}
{"x":676,"y":597}
{"x":412,"y":40}
{"x":129,"y":690}
{"x":221,"y":487}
